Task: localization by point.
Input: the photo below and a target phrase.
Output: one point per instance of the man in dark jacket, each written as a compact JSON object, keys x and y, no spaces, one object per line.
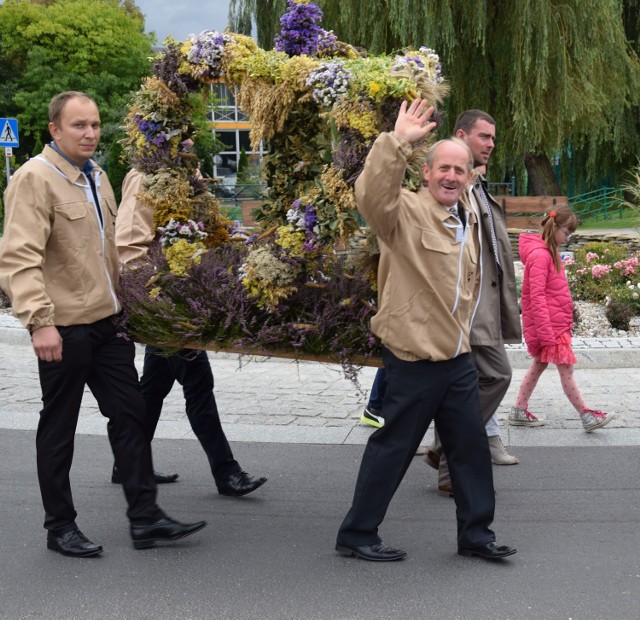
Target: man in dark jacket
{"x":135,"y":232}
{"x":496,"y":318}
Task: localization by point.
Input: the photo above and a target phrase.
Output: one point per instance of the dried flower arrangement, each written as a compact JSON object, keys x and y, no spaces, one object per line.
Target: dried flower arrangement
{"x":319,"y":104}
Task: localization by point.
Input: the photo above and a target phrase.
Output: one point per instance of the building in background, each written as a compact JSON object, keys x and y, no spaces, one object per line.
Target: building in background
{"x":231,"y":127}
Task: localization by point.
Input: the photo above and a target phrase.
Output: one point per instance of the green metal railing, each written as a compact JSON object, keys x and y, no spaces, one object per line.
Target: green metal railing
{"x":232,"y":197}
{"x":605,"y":203}
{"x":503,"y":189}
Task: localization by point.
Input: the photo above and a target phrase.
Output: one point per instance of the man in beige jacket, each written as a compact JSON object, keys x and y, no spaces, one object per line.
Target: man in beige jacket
{"x":59,"y":267}
{"x":135,"y":232}
{"x":427,"y":280}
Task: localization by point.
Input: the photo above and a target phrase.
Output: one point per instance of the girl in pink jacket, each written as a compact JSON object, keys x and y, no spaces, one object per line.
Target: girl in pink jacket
{"x":547,"y":318}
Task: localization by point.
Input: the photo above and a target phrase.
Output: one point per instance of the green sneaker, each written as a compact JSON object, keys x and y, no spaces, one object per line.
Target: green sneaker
{"x":372,"y":417}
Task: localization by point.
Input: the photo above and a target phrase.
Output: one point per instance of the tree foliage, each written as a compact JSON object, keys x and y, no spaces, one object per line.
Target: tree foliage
{"x":97,"y":47}
{"x":561,"y":77}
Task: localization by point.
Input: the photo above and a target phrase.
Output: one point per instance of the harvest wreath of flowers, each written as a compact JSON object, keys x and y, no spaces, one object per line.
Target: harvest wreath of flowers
{"x":284,"y":288}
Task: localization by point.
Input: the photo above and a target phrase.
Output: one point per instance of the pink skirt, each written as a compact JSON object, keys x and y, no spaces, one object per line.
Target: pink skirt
{"x":558,"y":353}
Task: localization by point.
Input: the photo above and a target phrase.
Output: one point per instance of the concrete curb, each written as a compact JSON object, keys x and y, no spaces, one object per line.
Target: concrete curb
{"x":594,"y":356}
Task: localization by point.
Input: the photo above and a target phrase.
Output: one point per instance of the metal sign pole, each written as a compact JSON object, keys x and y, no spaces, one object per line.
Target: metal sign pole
{"x":8,"y":151}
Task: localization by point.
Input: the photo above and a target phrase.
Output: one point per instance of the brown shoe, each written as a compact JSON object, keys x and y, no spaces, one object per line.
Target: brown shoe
{"x":445,"y":490}
{"x":421,"y":451}
{"x":432,"y":459}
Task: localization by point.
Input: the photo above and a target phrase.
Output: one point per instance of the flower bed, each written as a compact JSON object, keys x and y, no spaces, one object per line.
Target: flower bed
{"x":609,"y":274}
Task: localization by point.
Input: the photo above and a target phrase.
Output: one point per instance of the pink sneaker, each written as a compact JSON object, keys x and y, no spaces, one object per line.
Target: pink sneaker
{"x":592,"y":419}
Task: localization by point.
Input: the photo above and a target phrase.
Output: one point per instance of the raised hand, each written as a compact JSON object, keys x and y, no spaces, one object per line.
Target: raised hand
{"x":413,"y":122}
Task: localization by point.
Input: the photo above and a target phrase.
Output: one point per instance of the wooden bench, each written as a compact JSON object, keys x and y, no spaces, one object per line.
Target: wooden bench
{"x":526,"y":212}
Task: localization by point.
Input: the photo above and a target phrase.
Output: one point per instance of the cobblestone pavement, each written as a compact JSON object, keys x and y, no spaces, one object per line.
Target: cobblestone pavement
{"x":280,"y":400}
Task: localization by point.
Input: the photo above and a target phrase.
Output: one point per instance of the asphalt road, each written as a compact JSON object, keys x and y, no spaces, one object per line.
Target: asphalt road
{"x":571,"y":512}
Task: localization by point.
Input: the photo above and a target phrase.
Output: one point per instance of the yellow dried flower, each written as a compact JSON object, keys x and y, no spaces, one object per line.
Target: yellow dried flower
{"x":168,"y":193}
{"x":297,"y":70}
{"x":234,"y":63}
{"x":267,"y":65}
{"x":268,"y":279}
{"x":358,"y":115}
{"x":218,"y":236}
{"x":267,"y":105}
{"x":291,"y":240}
{"x":338,"y":192}
{"x":182,"y":254}
{"x":341,"y":196}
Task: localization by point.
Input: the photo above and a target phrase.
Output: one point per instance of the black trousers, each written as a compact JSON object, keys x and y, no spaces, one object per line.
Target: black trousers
{"x":193,"y":371}
{"x":93,"y":355}
{"x":417,"y":393}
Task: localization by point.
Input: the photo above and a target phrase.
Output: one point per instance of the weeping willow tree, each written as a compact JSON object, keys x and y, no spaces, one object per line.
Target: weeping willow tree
{"x":561,"y":77}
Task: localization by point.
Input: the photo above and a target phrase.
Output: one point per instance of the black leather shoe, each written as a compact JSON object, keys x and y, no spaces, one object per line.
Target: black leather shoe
{"x":374,"y":553}
{"x":490,"y":551}
{"x":159,"y":478}
{"x":164,"y":529}
{"x":73,"y":543}
{"x":239,"y":484}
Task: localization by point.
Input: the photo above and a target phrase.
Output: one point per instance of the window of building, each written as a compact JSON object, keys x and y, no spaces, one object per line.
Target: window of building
{"x":231,"y":127}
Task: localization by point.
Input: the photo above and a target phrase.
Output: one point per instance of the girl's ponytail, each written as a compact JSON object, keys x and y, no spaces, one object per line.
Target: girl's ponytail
{"x":558,"y":216}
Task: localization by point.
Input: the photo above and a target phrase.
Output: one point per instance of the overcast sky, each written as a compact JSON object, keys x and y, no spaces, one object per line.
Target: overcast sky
{"x":184,"y":17}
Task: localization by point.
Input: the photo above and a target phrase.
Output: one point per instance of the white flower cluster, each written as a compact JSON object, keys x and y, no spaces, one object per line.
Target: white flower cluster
{"x":329,"y":82}
{"x":433,"y":61}
{"x":175,"y":230}
{"x":425,"y":60}
{"x":207,"y":48}
{"x":296,"y":217}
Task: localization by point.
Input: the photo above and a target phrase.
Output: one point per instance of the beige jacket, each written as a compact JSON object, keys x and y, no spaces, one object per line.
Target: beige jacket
{"x":134,"y":224}
{"x":58,"y":264}
{"x":427,"y":278}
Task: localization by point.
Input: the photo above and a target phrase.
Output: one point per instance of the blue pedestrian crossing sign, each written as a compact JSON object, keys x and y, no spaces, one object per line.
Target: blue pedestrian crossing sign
{"x":9,"y":132}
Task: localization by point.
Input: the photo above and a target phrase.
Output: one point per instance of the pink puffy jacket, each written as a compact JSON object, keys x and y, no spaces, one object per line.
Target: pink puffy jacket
{"x":547,"y":307}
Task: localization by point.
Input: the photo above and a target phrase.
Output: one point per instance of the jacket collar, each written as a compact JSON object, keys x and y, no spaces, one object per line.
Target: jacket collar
{"x":442,"y":212}
{"x":70,"y":169}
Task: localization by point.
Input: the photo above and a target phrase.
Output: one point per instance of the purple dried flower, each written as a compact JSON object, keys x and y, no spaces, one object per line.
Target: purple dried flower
{"x":327,"y":44}
{"x":166,"y":69}
{"x":349,"y":155}
{"x":211,"y":307}
{"x":300,"y":31}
